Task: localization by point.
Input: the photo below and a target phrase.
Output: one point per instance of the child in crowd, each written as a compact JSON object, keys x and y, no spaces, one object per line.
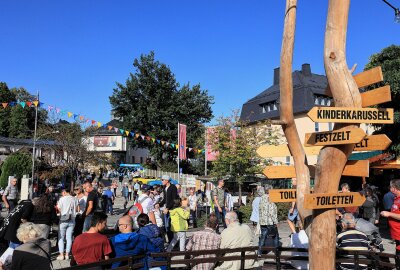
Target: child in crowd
{"x":179,"y":225}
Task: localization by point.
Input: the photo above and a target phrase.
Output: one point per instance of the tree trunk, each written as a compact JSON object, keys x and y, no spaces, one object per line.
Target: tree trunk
{"x":286,"y":114}
{"x":332,"y":160}
{"x":240,"y":194}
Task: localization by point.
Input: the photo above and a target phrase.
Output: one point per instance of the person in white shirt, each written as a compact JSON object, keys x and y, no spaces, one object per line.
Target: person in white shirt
{"x":67,"y":206}
{"x":81,"y":197}
{"x":147,"y":203}
{"x":193,"y":207}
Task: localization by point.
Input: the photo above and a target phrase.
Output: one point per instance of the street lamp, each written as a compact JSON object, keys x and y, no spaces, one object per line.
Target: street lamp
{"x":396,"y":11}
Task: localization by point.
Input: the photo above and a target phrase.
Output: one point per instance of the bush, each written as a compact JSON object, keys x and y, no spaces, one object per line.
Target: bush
{"x":245,"y":212}
{"x":16,"y":164}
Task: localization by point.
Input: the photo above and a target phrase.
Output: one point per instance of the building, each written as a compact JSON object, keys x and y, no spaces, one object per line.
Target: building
{"x":308,"y":91}
{"x":115,"y":145}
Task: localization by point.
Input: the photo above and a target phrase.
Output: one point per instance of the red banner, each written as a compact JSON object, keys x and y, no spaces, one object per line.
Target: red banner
{"x":182,"y":141}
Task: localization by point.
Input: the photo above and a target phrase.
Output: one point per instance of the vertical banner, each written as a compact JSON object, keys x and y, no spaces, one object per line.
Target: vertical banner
{"x":182,"y":141}
{"x":210,"y":154}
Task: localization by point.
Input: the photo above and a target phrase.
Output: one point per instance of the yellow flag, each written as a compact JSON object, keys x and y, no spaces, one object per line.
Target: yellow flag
{"x":69,"y":114}
{"x":99,"y":124}
{"x":176,"y":146}
{"x":36,"y":103}
{"x":127,"y":133}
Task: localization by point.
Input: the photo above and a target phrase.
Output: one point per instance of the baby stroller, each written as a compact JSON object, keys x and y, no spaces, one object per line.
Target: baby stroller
{"x":371,"y":231}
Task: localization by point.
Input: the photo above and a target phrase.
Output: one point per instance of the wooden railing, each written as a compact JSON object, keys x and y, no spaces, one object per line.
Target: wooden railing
{"x":275,"y":256}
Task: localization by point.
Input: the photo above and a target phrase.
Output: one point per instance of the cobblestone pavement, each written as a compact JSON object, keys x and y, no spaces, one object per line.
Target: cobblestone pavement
{"x":284,"y":233}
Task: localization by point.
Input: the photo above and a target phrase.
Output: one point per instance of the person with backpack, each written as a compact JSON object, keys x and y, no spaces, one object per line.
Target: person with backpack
{"x":146,"y":203}
{"x":67,"y":206}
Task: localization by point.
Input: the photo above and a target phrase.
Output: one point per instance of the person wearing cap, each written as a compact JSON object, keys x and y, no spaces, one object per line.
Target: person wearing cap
{"x":147,"y":203}
{"x":170,"y":194}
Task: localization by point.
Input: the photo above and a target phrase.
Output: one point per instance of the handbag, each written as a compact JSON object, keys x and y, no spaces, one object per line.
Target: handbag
{"x":67,"y":217}
{"x":272,"y":231}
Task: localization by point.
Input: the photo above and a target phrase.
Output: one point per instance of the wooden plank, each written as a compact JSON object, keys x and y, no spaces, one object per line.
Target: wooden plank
{"x":368,"y":77}
{"x":365,"y":78}
{"x":335,"y":137}
{"x":373,"y":143}
{"x":283,"y":150}
{"x":282,"y":195}
{"x":351,"y":115}
{"x":358,"y":168}
{"x":377,"y":96}
{"x":333,"y":200}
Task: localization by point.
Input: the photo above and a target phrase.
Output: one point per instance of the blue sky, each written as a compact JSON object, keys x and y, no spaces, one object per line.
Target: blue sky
{"x":74,"y":52}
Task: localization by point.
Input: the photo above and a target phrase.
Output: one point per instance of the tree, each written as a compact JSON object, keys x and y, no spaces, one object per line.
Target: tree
{"x":6,"y":96}
{"x":16,"y":164}
{"x":236,"y":143}
{"x":389,"y":60}
{"x":152,"y":103}
{"x":19,"y":122}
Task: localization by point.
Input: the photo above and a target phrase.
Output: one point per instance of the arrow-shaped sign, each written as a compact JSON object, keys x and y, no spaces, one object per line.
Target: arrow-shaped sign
{"x":333,"y":200}
{"x":359,"y":168}
{"x":351,"y":115}
{"x":373,"y":143}
{"x":343,"y":136}
{"x":282,"y":195}
{"x":283,"y":150}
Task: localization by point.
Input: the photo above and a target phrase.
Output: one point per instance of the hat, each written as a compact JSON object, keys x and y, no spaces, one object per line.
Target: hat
{"x":165,"y":177}
{"x":146,"y":187}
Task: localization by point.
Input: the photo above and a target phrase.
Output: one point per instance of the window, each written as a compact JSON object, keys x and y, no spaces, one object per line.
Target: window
{"x":330,"y":126}
{"x":316,"y":126}
{"x":328,"y":102}
{"x":133,"y":159}
{"x":269,"y":107}
{"x":287,"y":161}
{"x":141,"y":160}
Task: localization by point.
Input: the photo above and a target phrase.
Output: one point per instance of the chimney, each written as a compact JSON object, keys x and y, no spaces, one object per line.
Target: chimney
{"x":306,"y":70}
{"x":276,"y":75}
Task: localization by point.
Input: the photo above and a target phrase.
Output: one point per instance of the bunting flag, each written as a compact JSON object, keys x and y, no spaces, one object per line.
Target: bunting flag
{"x":181,"y":145}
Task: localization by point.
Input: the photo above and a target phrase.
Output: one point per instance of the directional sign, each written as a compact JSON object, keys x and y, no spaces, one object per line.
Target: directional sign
{"x":359,"y":168}
{"x":351,"y":115}
{"x":283,"y":150}
{"x":344,"y":136}
{"x":377,"y":96}
{"x":333,"y":200}
{"x":373,"y":143}
{"x":282,"y":195}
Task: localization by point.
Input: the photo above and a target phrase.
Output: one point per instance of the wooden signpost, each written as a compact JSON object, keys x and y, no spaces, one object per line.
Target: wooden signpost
{"x":282,"y":195}
{"x":351,"y":115}
{"x":373,"y":143}
{"x":333,"y":200}
{"x":335,"y":137}
{"x":283,"y":150}
{"x":377,"y":96}
{"x":358,"y":168}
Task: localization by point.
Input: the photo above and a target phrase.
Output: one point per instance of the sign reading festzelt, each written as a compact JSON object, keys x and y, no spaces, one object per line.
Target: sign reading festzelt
{"x":373,"y":143}
{"x":333,"y":200}
{"x":351,"y":115}
{"x":344,"y":136}
{"x":282,"y":195}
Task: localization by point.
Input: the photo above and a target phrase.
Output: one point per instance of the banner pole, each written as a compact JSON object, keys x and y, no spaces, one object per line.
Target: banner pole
{"x":179,"y":174}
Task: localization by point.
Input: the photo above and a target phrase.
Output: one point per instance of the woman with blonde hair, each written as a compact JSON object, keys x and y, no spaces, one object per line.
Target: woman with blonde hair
{"x":35,"y":250}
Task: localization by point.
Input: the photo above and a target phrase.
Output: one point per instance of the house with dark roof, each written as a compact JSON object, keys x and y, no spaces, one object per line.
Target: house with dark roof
{"x":308,"y":91}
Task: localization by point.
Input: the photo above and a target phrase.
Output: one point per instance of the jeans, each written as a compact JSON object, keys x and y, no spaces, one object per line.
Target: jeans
{"x":86,"y":223}
{"x":14,"y":245}
{"x":220,"y":215}
{"x":66,"y":229}
{"x":12,"y":203}
{"x":193,"y":218}
{"x":265,"y":239}
{"x":109,"y":206}
{"x":178,"y":236}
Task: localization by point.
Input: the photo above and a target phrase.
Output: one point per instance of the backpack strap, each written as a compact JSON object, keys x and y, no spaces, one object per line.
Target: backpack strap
{"x":47,"y":255}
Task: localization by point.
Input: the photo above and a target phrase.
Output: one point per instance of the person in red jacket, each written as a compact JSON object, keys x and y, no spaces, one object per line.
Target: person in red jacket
{"x":394,"y":215}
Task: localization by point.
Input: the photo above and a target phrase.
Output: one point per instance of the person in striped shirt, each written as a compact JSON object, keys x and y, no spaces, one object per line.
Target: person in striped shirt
{"x":351,"y":239}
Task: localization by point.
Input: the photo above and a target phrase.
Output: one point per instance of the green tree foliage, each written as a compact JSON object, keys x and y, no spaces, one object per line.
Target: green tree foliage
{"x":6,"y":96}
{"x":19,"y":122}
{"x":152,"y":103}
{"x":16,"y":164}
{"x":389,"y":60}
{"x":236,"y":143}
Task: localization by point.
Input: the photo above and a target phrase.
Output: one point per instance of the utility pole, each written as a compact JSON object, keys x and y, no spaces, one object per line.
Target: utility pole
{"x":34,"y":147}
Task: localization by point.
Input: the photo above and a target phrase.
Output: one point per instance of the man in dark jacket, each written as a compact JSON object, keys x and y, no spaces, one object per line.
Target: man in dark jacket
{"x":170,"y":194}
{"x":130,"y":243}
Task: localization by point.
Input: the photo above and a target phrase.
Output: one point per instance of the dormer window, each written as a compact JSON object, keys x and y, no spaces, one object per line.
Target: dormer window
{"x":269,"y":107}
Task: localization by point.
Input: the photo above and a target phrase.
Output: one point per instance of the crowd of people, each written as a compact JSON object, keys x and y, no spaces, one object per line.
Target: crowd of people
{"x":156,"y":219}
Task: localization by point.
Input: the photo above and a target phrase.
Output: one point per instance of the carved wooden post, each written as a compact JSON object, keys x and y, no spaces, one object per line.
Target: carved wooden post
{"x":332,"y":159}
{"x":286,"y":111}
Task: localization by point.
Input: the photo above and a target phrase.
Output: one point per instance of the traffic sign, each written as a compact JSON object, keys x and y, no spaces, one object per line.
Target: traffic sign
{"x":358,"y":168}
{"x":282,"y":195}
{"x":377,"y":96}
{"x":333,"y":200}
{"x":373,"y":143}
{"x":351,"y":115}
{"x":343,"y":136}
